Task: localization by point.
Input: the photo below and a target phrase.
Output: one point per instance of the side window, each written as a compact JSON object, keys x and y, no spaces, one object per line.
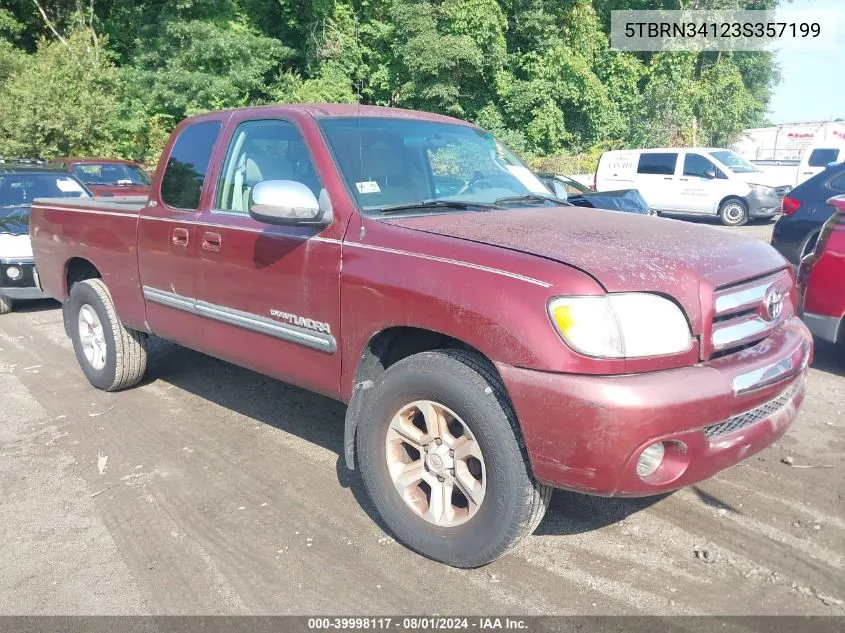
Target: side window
{"x":698,"y":166}
{"x":656,"y":163}
{"x":181,"y":184}
{"x":263,"y":150}
{"x":821,"y":157}
{"x":838,"y":183}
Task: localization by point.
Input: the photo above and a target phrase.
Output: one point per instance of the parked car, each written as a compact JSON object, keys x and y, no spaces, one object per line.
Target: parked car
{"x":108,"y":176}
{"x":20,"y":183}
{"x":573,"y":192}
{"x":805,"y":210}
{"x":816,"y":159}
{"x":490,"y":347}
{"x":699,"y":181}
{"x":821,"y":278}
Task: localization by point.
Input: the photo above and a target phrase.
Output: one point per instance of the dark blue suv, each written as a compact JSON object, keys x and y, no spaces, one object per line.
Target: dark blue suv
{"x":805,"y":210}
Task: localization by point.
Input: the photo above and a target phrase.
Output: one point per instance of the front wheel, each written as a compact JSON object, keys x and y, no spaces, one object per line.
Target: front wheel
{"x":5,"y":305}
{"x":733,"y":212}
{"x":112,"y":356}
{"x":442,"y":457}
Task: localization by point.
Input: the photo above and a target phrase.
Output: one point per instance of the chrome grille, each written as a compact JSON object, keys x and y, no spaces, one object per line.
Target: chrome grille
{"x":748,"y":418}
{"x":740,"y":314}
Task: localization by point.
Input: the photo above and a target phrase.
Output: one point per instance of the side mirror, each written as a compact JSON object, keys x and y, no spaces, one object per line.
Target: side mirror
{"x":710,"y":173}
{"x":285,"y":202}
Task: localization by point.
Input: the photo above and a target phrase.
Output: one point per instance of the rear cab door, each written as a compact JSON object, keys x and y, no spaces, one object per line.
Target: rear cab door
{"x":269,"y":295}
{"x":166,"y":231}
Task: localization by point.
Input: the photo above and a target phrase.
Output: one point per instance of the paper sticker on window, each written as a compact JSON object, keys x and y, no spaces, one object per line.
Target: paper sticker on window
{"x":368,"y":186}
{"x":66,"y":185}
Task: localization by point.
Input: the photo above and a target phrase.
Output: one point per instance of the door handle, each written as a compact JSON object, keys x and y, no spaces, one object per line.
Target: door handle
{"x":667,"y":178}
{"x":211,"y":241}
{"x":179,"y":237}
{"x":684,"y":179}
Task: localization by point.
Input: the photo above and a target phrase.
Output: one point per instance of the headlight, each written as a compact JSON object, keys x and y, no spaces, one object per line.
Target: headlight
{"x":14,"y":273}
{"x":763,"y":190}
{"x":625,"y":325}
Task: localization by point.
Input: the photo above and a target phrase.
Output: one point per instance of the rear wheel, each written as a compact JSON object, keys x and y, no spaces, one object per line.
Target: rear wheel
{"x":733,"y":212}
{"x":442,"y":458}
{"x":5,"y":305}
{"x":112,"y":356}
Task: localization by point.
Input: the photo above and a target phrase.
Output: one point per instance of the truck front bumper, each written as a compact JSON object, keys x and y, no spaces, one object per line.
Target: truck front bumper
{"x":23,"y":286}
{"x":586,"y":433}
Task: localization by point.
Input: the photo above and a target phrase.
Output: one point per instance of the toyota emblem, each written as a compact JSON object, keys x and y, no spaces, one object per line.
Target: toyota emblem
{"x":774,"y":304}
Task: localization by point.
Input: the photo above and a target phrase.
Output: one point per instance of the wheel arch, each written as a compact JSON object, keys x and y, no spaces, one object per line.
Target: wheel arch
{"x":732,"y":196}
{"x":385,"y":348}
{"x":79,"y":269}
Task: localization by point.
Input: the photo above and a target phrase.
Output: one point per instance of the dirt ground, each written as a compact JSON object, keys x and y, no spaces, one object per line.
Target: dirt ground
{"x":210,"y":489}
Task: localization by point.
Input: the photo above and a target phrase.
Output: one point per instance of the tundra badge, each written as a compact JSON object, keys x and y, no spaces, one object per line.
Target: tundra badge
{"x":295,"y":319}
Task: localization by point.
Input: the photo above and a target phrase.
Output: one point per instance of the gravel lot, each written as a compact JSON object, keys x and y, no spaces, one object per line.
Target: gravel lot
{"x":210,"y":489}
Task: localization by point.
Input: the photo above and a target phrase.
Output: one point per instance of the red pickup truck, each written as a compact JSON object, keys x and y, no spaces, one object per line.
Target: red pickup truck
{"x":491,"y":344}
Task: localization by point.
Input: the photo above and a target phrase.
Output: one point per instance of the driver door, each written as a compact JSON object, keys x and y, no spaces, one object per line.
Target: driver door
{"x":268,"y":294}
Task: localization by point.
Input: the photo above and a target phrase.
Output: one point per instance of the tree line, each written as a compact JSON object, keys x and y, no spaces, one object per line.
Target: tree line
{"x":113,"y":77}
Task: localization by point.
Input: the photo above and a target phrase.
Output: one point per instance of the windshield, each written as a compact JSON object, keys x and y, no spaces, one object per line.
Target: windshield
{"x":395,"y":162}
{"x":110,"y":174}
{"x":734,"y":162}
{"x":19,"y":190}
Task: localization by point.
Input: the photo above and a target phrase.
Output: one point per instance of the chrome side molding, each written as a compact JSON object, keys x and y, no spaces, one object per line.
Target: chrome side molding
{"x":246,"y":320}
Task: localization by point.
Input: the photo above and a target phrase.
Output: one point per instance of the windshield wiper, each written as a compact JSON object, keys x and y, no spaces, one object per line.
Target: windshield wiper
{"x":459,"y":205}
{"x":531,"y":197}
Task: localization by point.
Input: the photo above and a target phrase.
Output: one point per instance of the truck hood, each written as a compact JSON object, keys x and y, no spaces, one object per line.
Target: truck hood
{"x":622,"y":251}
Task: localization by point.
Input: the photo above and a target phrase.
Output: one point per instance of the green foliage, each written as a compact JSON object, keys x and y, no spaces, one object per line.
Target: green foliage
{"x":115,"y":76}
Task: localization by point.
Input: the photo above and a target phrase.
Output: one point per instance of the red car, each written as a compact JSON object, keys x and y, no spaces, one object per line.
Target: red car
{"x":491,"y":344}
{"x":108,"y":176}
{"x":822,"y":279}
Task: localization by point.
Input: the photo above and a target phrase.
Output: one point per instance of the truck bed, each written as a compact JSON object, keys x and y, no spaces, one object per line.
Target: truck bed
{"x":130,"y":204}
{"x":72,"y":233}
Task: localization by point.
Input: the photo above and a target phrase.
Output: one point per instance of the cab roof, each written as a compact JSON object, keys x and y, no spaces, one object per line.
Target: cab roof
{"x":329,"y":110}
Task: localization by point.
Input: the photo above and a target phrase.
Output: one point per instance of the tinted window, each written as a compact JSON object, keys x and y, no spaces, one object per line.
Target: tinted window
{"x":183,"y":178}
{"x":838,"y":183}
{"x":698,"y":166}
{"x":19,"y":190}
{"x":263,"y":150}
{"x":662,"y":164}
{"x":822,"y":157}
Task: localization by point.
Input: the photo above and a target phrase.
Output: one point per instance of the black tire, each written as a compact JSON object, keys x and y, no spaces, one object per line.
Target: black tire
{"x":514,"y":503}
{"x":126,"y":349}
{"x":5,"y":305}
{"x":733,"y":212}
